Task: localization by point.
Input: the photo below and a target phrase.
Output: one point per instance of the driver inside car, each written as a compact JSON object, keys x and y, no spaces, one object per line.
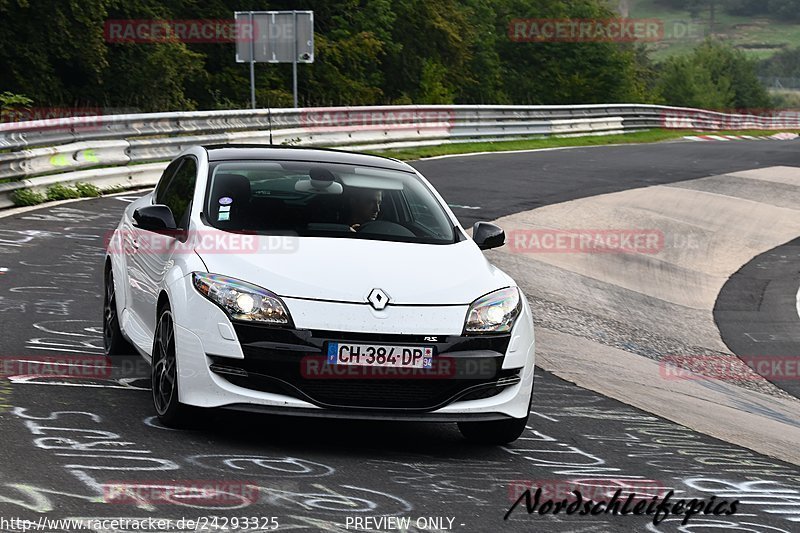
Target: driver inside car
{"x":363,"y":205}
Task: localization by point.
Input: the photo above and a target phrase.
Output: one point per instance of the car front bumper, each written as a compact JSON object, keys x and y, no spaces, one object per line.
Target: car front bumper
{"x":282,"y":370}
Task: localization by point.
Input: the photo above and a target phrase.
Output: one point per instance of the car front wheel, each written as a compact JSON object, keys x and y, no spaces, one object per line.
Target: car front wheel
{"x":164,"y":373}
{"x":494,"y":432}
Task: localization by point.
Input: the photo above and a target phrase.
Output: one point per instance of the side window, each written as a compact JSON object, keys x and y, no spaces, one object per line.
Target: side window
{"x":164,"y":181}
{"x":178,"y":194}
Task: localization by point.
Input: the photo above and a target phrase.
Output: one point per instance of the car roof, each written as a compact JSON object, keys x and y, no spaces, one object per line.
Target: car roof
{"x":227,"y":152}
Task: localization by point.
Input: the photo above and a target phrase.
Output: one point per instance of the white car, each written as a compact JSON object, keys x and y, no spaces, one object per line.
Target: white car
{"x":316,"y":283}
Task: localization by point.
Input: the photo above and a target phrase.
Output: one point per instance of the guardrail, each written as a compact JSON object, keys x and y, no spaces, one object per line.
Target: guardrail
{"x":39,"y":153}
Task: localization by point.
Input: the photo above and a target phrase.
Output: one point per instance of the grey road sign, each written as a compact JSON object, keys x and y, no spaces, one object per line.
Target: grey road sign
{"x":274,"y":37}
{"x":278,"y":37}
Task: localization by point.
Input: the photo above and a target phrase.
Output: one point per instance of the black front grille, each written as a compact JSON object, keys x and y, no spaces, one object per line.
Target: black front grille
{"x":307,"y":340}
{"x":291,"y":362}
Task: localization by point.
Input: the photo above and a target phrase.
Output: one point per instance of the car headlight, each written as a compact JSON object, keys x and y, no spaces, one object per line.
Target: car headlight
{"x":242,"y":300}
{"x":495,"y":312}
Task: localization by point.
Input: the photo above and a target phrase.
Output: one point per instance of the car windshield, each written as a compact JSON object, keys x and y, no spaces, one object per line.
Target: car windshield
{"x":324,"y":200}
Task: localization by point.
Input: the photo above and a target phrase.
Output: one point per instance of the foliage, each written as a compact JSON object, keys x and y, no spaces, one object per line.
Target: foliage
{"x":113,"y":189}
{"x":780,"y":9}
{"x":367,"y":52}
{"x":23,"y":197}
{"x":11,"y":104}
{"x":785,"y":99}
{"x":58,"y":191}
{"x":714,"y":76}
{"x":88,"y":190}
{"x":784,"y":64}
{"x":10,"y":100}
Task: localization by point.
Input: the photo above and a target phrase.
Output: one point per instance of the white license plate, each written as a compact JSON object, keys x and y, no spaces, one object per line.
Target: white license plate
{"x":345,"y":353}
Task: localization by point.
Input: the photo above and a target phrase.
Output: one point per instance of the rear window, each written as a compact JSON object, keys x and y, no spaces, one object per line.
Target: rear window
{"x":324,"y":200}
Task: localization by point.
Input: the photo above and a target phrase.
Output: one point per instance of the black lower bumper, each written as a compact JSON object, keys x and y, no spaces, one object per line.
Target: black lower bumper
{"x":292,"y":362}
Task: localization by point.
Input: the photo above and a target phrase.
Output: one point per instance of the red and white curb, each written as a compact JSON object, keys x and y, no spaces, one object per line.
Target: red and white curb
{"x":776,"y":137}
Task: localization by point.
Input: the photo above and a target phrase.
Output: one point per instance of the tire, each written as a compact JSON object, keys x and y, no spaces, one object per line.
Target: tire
{"x":113,"y":341}
{"x":164,"y":374}
{"x":495,"y":432}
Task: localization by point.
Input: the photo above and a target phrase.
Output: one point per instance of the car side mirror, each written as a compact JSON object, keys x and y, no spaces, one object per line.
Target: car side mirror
{"x":487,"y":235}
{"x":157,"y":218}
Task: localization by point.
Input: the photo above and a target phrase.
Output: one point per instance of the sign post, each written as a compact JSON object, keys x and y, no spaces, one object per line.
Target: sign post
{"x":275,"y":37}
{"x":294,"y":63}
{"x":252,"y":65}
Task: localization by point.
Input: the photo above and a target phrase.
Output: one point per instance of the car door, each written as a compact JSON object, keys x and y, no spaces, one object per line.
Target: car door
{"x":154,"y":251}
{"x":132,"y":238}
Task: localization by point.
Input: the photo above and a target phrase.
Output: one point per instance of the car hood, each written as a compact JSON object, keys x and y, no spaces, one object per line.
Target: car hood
{"x":346,"y":270}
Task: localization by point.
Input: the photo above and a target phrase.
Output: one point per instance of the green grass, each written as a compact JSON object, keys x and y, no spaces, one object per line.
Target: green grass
{"x":758,"y":37}
{"x":554,"y":142}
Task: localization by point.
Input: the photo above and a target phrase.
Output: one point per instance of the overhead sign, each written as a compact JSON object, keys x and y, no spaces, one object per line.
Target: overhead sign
{"x":278,"y":37}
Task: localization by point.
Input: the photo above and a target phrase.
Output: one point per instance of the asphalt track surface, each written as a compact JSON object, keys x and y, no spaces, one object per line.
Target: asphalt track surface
{"x":756,"y":313}
{"x":69,"y":443}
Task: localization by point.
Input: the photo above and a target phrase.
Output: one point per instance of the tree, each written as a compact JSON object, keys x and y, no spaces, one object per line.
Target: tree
{"x":714,"y":76}
{"x":568,"y":72}
{"x":367,"y":52}
{"x":53,"y":52}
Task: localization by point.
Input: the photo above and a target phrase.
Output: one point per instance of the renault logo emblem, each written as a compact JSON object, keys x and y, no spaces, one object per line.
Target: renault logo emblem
{"x":378,"y":299}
